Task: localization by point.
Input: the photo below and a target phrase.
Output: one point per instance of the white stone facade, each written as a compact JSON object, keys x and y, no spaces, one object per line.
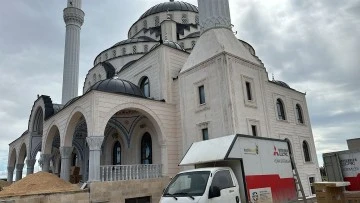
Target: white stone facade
{"x":238,"y":98}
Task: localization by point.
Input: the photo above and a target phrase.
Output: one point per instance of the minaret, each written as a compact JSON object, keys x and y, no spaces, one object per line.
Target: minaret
{"x":214,"y":13}
{"x":74,"y":18}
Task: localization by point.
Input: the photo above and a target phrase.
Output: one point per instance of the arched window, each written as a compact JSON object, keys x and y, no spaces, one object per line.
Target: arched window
{"x":145,"y":24}
{"x":106,"y":56}
{"x":94,"y":78}
{"x":184,"y":18}
{"x":145,"y":86}
{"x":99,"y":76}
{"x":134,"y":49}
{"x":117,"y":153}
{"x":146,"y":48}
{"x":280,"y":109}
{"x":299,"y":114}
{"x":146,"y":149}
{"x":197,"y":20}
{"x":114,"y":53}
{"x":157,"y":21}
{"x":306,"y":151}
{"x":124,"y":50}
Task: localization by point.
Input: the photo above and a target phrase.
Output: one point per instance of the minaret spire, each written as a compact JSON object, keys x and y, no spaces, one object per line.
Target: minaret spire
{"x":74,"y":19}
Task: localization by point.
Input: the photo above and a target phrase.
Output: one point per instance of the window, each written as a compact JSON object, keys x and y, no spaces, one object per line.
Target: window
{"x":117,"y":153}
{"x":306,"y":151}
{"x":157,"y":21}
{"x":134,"y":49}
{"x":205,"y":133}
{"x":114,"y":53}
{"x":248,"y":90}
{"x":222,"y":179}
{"x":201,"y":94}
{"x":193,"y":44}
{"x":312,"y":187}
{"x":124,"y":50}
{"x":280,"y":109}
{"x":254,"y":130}
{"x":299,"y":115}
{"x":182,"y":45}
{"x":145,"y":24}
{"x":99,"y":76}
{"x":136,"y":29}
{"x":146,"y":149}
{"x":106,"y":56}
{"x":170,"y":16}
{"x":94,"y":78}
{"x":145,"y":86}
{"x":197,"y":19}
{"x":146,"y":48}
{"x":184,"y":18}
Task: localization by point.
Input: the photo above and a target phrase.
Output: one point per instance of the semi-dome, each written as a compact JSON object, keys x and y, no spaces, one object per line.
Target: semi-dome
{"x":168,"y":43}
{"x":281,"y":83}
{"x":119,"y":86}
{"x":170,"y":6}
{"x":135,"y":40}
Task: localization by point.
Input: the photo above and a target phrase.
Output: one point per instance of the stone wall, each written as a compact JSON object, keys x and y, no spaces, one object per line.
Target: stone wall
{"x":118,"y":191}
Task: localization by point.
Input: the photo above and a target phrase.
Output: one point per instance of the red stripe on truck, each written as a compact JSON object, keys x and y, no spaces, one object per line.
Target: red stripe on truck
{"x":282,"y":189}
{"x":354,"y":183}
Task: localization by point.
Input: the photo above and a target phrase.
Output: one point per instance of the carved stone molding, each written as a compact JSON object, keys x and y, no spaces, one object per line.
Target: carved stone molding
{"x":95,"y":142}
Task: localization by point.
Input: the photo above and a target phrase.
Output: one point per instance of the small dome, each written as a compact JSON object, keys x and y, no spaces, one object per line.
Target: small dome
{"x":281,"y":83}
{"x":169,"y":44}
{"x":119,"y":86}
{"x":170,"y":6}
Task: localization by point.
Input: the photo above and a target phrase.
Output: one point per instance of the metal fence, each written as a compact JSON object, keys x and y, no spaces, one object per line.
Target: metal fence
{"x":129,"y":172}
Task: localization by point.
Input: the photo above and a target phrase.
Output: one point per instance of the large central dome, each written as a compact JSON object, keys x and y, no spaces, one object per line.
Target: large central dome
{"x":170,"y":6}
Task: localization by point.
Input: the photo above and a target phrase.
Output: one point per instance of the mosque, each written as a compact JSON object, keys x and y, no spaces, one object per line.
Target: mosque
{"x":181,"y":76}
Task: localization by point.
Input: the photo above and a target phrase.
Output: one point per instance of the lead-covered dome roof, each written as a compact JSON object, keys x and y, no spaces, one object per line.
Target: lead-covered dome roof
{"x":170,"y":6}
{"x":119,"y":86}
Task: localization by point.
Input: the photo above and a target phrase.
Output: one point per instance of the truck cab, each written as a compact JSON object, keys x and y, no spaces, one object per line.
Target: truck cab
{"x":217,"y":184}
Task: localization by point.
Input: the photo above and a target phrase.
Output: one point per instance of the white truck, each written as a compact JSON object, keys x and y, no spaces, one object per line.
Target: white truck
{"x":343,"y":166}
{"x":235,"y":168}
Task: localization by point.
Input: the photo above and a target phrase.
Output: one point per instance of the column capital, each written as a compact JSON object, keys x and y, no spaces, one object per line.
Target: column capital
{"x":66,"y":152}
{"x":95,"y":142}
{"x":45,"y":157}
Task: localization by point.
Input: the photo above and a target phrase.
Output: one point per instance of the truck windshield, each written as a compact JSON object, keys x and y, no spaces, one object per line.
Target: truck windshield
{"x":188,"y":184}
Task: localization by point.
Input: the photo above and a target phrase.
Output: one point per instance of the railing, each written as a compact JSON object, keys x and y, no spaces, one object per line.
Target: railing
{"x":129,"y":172}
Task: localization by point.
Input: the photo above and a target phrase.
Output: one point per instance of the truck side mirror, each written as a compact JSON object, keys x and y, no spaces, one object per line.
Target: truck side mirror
{"x":214,"y":191}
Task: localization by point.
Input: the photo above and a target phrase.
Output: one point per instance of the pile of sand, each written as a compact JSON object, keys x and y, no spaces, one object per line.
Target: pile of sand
{"x":38,"y":183}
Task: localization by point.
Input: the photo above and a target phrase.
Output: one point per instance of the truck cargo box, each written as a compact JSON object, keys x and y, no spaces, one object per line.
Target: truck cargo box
{"x":265,"y":164}
{"x":344,"y":166}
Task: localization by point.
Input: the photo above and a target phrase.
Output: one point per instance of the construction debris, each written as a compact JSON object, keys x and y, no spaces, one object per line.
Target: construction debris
{"x":38,"y":183}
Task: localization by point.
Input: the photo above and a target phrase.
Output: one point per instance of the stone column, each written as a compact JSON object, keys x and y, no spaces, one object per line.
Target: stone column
{"x":19,"y":170}
{"x":10,"y":174}
{"x":65,"y":162}
{"x":45,"y":162}
{"x":30,"y":166}
{"x":94,"y":144}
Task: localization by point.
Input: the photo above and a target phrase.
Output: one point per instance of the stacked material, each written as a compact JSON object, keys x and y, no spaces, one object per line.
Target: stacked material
{"x":38,"y":183}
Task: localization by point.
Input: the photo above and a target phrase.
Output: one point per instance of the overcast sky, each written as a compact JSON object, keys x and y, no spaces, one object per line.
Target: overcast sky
{"x":314,"y":46}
